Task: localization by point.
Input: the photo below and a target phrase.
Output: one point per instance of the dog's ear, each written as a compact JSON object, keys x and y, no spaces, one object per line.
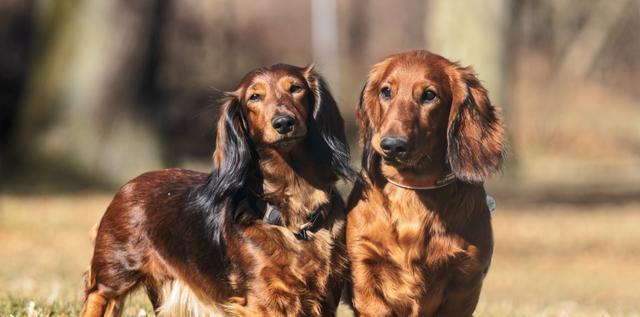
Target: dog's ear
{"x":216,"y":198}
{"x":369,"y":155}
{"x":368,"y":115}
{"x":475,"y":135}
{"x":232,"y":155}
{"x":329,"y":124}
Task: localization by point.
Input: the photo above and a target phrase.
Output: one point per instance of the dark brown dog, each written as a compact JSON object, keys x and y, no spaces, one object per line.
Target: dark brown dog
{"x":261,"y":235}
{"x":419,"y":229}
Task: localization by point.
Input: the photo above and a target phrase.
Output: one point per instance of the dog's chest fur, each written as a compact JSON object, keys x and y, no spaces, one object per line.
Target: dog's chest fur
{"x":273,"y":273}
{"x":289,"y":276}
{"x":407,"y":251}
{"x":296,"y":201}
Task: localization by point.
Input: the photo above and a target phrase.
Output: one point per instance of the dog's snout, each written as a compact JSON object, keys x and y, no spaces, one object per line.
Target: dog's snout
{"x":393,"y":146}
{"x":283,"y":124}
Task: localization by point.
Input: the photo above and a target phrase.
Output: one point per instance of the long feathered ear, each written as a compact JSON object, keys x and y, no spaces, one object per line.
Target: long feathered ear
{"x":330,"y":124}
{"x":368,"y":115}
{"x":475,"y":136}
{"x":217,"y":197}
{"x":232,"y":155}
{"x":369,"y":156}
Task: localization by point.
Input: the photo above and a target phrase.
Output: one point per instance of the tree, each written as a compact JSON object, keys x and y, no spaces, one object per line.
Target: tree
{"x":83,"y":112}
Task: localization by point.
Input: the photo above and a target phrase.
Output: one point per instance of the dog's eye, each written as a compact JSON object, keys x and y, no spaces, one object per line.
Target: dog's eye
{"x":427,"y":95}
{"x":294,"y":88}
{"x":254,"y":97}
{"x":385,"y":92}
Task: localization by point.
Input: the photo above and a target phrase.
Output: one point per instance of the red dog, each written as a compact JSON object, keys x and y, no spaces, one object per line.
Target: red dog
{"x":261,"y":235}
{"x":419,"y":229}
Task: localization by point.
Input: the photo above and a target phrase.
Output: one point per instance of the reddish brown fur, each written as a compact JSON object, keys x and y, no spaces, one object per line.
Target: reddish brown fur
{"x":152,"y":236}
{"x":422,"y":252}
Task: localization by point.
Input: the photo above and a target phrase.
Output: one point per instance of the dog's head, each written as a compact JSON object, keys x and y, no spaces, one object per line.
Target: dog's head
{"x":420,"y":110}
{"x":277,"y":102}
{"x":280,"y":107}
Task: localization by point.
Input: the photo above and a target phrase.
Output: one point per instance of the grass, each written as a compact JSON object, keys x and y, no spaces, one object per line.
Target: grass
{"x":548,"y":260}
{"x":564,"y":261}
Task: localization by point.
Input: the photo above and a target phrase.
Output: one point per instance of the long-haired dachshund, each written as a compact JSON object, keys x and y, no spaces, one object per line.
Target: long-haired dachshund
{"x":261,"y":235}
{"x":419,"y":230}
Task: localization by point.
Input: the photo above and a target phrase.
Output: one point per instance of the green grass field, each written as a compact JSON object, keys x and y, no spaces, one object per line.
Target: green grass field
{"x":548,"y":261}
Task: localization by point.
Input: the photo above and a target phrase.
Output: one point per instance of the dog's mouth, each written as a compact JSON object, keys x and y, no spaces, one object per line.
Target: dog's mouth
{"x":390,"y":161}
{"x":397,"y":162}
{"x":288,"y":141}
{"x":405,"y":161}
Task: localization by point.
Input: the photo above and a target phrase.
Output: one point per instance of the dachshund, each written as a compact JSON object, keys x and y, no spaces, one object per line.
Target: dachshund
{"x":263,"y":234}
{"x":419,"y":234}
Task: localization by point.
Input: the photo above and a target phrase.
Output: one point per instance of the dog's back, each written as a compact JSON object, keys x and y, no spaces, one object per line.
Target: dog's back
{"x":142,"y":240}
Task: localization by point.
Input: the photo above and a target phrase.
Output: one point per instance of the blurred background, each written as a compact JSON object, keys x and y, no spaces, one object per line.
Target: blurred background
{"x":95,"y":92}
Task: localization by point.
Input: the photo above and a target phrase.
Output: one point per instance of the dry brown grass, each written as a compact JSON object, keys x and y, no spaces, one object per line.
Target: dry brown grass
{"x":564,"y":261}
{"x":548,"y":261}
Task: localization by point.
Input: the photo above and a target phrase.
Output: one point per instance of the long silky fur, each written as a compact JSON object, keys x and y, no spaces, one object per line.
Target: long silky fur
{"x":330,"y":126}
{"x":216,"y":199}
{"x":370,"y":161}
{"x":475,"y":134}
{"x":180,"y":300}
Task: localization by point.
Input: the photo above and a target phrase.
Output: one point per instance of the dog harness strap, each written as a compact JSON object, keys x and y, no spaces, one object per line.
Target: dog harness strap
{"x":315,"y":220}
{"x":273,"y":216}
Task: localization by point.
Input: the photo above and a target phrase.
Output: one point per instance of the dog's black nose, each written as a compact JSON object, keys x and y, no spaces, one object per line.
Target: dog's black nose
{"x":283,"y":124}
{"x":393,"y":146}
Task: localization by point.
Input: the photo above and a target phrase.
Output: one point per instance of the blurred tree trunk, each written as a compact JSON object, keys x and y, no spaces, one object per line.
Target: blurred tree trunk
{"x":324,"y":37}
{"x":474,"y":33}
{"x":583,"y":51}
{"x":83,"y":113}
{"x":16,"y":35}
{"x":480,"y":34}
{"x":196,"y":51}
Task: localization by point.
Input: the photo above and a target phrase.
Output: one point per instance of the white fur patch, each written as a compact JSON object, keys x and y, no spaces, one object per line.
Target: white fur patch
{"x":180,"y":300}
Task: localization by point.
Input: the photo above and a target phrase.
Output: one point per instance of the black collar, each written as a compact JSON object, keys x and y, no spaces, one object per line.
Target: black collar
{"x":273,"y":216}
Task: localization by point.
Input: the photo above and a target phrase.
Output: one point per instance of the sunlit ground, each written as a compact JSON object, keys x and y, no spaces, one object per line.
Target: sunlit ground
{"x":548,"y":261}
